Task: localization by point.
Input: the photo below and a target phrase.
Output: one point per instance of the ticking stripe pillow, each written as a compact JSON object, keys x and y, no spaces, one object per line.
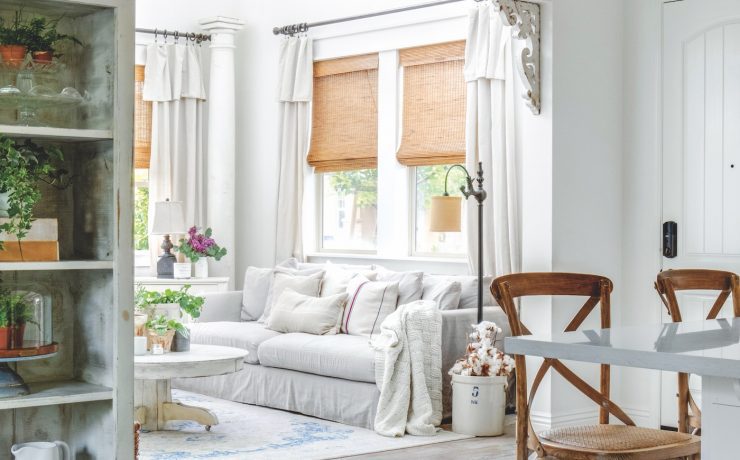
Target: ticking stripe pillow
{"x":368,"y":304}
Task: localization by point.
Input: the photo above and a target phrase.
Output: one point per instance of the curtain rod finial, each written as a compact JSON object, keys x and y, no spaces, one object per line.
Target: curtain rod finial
{"x":276,"y":30}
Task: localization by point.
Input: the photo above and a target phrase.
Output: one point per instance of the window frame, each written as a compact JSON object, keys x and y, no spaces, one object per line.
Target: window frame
{"x":445,"y":23}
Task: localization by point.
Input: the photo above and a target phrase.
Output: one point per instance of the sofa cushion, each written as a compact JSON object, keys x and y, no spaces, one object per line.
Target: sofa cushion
{"x":247,"y":335}
{"x":410,"y":284}
{"x":257,"y":282}
{"x":294,"y":312}
{"x":469,"y":287}
{"x":342,"y":356}
{"x":298,"y":281}
{"x":368,"y":305}
{"x":445,"y":293}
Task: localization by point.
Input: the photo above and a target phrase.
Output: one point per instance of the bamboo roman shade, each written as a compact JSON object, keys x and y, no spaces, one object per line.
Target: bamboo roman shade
{"x":433,"y":105}
{"x":142,"y":122}
{"x":344,"y":130}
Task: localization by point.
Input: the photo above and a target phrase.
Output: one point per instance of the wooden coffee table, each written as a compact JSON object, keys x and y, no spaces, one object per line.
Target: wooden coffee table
{"x":153,"y":392}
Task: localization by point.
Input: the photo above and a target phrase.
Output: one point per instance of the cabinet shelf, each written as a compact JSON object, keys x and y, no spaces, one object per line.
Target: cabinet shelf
{"x":56,"y":134}
{"x":53,"y":266}
{"x":63,"y":392}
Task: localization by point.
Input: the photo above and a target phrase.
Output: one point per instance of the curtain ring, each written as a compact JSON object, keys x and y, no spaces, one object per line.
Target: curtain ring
{"x":156,"y":35}
{"x":177,"y":37}
{"x":165,"y":36}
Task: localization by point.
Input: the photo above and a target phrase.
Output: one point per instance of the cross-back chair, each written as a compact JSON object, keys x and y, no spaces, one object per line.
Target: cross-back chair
{"x":585,"y":442}
{"x":667,"y":284}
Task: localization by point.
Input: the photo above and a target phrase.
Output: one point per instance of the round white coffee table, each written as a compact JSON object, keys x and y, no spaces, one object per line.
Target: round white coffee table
{"x":153,"y":392}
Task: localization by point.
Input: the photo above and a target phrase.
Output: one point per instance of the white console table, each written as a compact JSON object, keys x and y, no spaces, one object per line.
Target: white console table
{"x":709,"y":348}
{"x":198,"y":285}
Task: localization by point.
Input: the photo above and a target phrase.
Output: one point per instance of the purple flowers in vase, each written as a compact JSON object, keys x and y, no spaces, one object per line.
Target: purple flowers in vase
{"x":200,"y":245}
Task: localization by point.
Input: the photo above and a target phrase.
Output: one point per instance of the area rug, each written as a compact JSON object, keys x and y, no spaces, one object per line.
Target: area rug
{"x":248,"y":432}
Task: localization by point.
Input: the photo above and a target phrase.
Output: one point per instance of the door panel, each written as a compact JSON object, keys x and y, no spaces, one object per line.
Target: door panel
{"x":701,"y":150}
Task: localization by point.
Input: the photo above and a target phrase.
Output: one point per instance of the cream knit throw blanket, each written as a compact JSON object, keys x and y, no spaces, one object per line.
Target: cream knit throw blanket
{"x":408,"y":370}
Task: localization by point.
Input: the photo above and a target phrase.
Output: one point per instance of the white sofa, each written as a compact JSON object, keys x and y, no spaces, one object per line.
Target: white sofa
{"x":327,"y":376}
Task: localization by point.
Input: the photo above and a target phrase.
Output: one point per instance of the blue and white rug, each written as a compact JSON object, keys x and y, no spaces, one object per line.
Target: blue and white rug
{"x":249,"y":432}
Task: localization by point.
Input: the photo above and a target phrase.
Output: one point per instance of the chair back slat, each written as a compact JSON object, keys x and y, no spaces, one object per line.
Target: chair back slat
{"x":668,"y":283}
{"x":506,"y":289}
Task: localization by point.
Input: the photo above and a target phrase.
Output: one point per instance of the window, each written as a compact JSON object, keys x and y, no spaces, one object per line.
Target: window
{"x":349,"y":210}
{"x":344,"y":151}
{"x":424,"y":96}
{"x":142,"y":151}
{"x":433,"y":136}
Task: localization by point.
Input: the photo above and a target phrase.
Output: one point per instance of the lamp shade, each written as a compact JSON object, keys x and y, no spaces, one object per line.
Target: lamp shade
{"x":446,"y":214}
{"x":169,"y":218}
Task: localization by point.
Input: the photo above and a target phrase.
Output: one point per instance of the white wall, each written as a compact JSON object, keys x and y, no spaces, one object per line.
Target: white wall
{"x":641,"y":200}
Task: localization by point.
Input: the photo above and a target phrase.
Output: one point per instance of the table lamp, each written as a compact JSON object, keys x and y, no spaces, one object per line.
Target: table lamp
{"x":169,"y":219}
{"x":446,"y":214}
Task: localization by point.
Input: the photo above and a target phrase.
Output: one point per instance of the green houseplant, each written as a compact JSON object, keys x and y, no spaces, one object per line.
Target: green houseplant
{"x":170,"y":304}
{"x":162,"y":330}
{"x":39,"y":36}
{"x":13,"y":39}
{"x":22,"y":167}
{"x":15,"y":313}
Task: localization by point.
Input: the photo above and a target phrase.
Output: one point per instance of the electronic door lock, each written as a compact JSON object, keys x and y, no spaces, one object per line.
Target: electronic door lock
{"x":670,"y":239}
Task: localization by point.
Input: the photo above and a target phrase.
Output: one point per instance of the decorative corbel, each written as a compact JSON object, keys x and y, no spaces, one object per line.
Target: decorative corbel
{"x":524,"y":17}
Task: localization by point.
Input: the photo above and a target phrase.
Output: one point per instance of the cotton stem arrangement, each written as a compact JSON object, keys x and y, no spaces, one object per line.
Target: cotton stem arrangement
{"x":482,"y":358}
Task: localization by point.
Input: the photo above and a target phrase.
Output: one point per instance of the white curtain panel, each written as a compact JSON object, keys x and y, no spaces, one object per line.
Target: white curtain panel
{"x":173,"y":82}
{"x":490,"y":139}
{"x":295,"y":89}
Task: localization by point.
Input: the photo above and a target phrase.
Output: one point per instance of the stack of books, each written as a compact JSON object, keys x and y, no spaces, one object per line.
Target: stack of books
{"x":40,"y":245}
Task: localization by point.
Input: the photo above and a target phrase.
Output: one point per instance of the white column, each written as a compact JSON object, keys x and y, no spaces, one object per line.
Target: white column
{"x":221,"y":154}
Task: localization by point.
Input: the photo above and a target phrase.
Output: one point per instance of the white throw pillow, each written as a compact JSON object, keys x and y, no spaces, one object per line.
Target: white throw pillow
{"x":257,"y":283}
{"x":337,"y":278}
{"x":368,"y":304}
{"x":294,"y":312}
{"x":281,"y":280}
{"x":410,"y":284}
{"x":444,"y":293}
{"x":469,"y":285}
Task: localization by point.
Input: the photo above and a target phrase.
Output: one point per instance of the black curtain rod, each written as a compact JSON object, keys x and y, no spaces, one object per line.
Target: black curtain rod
{"x":303,"y":27}
{"x":176,"y":34}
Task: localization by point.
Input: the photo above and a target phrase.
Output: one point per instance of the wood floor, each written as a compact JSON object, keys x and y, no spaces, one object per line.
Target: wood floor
{"x":498,"y":448}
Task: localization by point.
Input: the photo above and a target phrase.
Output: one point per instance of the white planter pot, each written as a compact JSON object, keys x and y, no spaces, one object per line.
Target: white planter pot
{"x":183,"y":270}
{"x":478,"y":405}
{"x":201,"y":268}
{"x":170,"y":310}
{"x":3,"y":205}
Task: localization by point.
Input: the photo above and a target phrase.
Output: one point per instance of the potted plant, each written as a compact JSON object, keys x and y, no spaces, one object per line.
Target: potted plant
{"x":171,"y":304}
{"x":13,"y":39}
{"x":479,"y":382}
{"x":39,"y":36}
{"x":198,"y":248}
{"x":24,"y":166}
{"x":161,"y":330}
{"x":15,"y":313}
{"x":43,"y":37}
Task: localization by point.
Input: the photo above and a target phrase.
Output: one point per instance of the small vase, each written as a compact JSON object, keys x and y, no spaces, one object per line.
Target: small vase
{"x":183,"y":270}
{"x":201,"y":268}
{"x":164,"y":340}
{"x":42,"y":56}
{"x":181,"y":343}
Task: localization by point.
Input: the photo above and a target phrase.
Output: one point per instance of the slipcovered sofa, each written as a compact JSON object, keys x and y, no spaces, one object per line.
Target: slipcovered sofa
{"x":327,"y":376}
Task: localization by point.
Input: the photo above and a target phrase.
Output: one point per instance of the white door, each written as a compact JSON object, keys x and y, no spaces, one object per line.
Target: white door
{"x":701,"y":150}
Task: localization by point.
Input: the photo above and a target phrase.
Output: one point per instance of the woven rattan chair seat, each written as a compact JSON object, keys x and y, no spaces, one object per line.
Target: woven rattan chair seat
{"x":608,"y":438}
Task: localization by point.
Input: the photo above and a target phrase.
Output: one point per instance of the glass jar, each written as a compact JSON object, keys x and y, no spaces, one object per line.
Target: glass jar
{"x":25,"y":319}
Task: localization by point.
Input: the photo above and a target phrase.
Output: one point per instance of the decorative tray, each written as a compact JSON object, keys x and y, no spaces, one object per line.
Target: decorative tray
{"x":19,"y":354}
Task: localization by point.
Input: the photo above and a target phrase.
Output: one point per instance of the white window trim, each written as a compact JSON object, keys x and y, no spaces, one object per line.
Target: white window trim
{"x":432,"y":25}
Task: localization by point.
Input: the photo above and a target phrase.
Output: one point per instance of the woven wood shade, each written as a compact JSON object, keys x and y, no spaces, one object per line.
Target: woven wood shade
{"x":344,"y":130}
{"x":434,"y":99}
{"x":142,"y":123}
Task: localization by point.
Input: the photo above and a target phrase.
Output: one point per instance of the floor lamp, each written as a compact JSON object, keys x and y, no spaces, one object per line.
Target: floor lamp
{"x":446,"y":216}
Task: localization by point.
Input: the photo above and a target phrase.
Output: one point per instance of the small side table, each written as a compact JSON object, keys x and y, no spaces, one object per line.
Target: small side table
{"x":152,"y":390}
{"x":198,"y":286}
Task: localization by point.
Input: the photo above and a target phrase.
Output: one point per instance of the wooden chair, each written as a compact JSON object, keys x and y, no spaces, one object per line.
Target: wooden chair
{"x":601,"y":441}
{"x":667,"y":284}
